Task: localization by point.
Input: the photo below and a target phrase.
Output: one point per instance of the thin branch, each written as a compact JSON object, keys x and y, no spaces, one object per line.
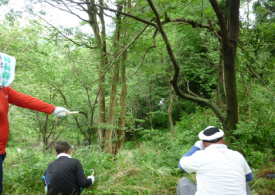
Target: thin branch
{"x":154,"y":46}
{"x":54,"y":125}
{"x":126,"y":14}
{"x":250,"y":87}
{"x":10,"y":42}
{"x":92,"y":117}
{"x":79,"y":44}
{"x":256,"y":75}
{"x":218,"y":11}
{"x":63,"y":96}
{"x":65,"y":11}
{"x":189,"y":90}
{"x":40,"y":126}
{"x":120,"y":53}
{"x":78,"y":125}
{"x":57,"y":136}
{"x":210,"y":21}
{"x":194,"y":24}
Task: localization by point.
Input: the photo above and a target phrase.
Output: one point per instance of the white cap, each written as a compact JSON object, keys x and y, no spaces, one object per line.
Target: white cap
{"x":211,"y":133}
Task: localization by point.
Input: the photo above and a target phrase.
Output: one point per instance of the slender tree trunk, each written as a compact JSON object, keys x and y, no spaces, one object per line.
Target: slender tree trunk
{"x":150,"y":104}
{"x":120,"y":134}
{"x":170,"y":106}
{"x":115,"y":80}
{"x":221,"y":86}
{"x":101,"y":43}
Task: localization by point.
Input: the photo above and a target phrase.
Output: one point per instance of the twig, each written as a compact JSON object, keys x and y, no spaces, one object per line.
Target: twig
{"x":189,"y":90}
{"x":256,"y":75}
{"x":250,"y":87}
{"x":10,"y":42}
{"x":79,"y":44}
{"x":113,"y":10}
{"x":120,"y":53}
{"x":154,"y":46}
{"x":210,"y":21}
{"x":65,"y":10}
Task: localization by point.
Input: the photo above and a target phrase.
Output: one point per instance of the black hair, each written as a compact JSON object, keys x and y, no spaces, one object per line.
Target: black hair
{"x":62,"y":147}
{"x":213,"y":141}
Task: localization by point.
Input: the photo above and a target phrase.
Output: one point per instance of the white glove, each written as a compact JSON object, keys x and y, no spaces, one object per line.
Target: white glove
{"x":92,"y":178}
{"x":60,"y":112}
{"x":199,"y":144}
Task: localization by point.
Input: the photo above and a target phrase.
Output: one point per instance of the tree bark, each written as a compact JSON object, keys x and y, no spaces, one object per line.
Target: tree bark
{"x":170,"y":107}
{"x":150,"y":104}
{"x":101,"y":43}
{"x":229,"y":42}
{"x":113,"y":94}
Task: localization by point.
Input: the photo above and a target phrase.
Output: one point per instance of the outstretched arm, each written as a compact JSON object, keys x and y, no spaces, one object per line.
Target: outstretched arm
{"x":26,"y":101}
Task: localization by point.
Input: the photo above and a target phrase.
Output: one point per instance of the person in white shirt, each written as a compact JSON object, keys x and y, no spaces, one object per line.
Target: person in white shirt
{"x":219,"y":170}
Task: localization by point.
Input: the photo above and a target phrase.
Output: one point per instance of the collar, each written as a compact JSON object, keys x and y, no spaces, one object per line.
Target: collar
{"x":216,"y":146}
{"x":63,"y":155}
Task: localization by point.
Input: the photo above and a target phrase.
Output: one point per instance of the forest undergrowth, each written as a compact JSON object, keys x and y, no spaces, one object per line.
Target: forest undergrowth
{"x":150,"y":169}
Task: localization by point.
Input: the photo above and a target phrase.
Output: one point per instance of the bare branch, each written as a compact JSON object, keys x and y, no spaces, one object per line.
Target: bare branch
{"x":66,"y":11}
{"x":126,"y":14}
{"x":215,"y":30}
{"x":79,"y":44}
{"x":53,"y":127}
{"x":121,"y":52}
{"x":58,"y":135}
{"x":78,"y":125}
{"x":191,"y":22}
{"x":222,"y":22}
{"x":10,"y":42}
{"x":154,"y":46}
{"x":189,"y":90}
{"x":250,"y":87}
{"x":249,"y":67}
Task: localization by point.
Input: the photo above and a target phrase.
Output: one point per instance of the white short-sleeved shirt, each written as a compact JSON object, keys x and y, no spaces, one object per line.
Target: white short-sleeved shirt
{"x":219,"y":171}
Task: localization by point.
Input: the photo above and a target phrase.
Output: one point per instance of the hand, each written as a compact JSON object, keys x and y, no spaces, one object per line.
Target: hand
{"x":60,"y":112}
{"x":92,"y":178}
{"x":199,"y":144}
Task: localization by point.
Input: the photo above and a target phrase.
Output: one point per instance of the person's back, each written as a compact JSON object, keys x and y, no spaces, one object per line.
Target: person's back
{"x":67,"y":175}
{"x":219,"y":171}
{"x":221,"y":167}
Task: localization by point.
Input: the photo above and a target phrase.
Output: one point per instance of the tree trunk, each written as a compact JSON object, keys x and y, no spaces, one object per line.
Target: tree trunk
{"x":120,"y":135}
{"x":101,"y":43}
{"x":150,"y":104}
{"x":221,"y":85}
{"x":113,"y":94}
{"x":170,"y":107}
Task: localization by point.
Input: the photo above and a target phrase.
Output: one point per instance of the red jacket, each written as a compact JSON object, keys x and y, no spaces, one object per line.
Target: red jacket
{"x":8,"y":95}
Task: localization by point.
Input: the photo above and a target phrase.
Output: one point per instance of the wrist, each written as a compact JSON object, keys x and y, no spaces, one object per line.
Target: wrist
{"x":53,"y":109}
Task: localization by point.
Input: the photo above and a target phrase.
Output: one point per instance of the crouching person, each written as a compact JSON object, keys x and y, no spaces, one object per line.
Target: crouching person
{"x":219,"y":171}
{"x":65,"y":175}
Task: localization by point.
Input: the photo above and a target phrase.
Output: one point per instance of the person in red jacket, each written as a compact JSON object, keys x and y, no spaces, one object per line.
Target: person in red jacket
{"x":11,"y":96}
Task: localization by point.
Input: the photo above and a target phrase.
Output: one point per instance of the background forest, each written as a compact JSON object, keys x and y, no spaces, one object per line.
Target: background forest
{"x":150,"y":75}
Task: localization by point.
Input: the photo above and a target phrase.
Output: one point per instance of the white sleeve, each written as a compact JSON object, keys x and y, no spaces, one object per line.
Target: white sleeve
{"x":190,"y":164}
{"x":247,"y":169}
{"x":245,"y":165}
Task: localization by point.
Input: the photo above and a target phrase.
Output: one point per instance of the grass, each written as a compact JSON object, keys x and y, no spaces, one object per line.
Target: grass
{"x":120,"y":176}
{"x":144,"y":171}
